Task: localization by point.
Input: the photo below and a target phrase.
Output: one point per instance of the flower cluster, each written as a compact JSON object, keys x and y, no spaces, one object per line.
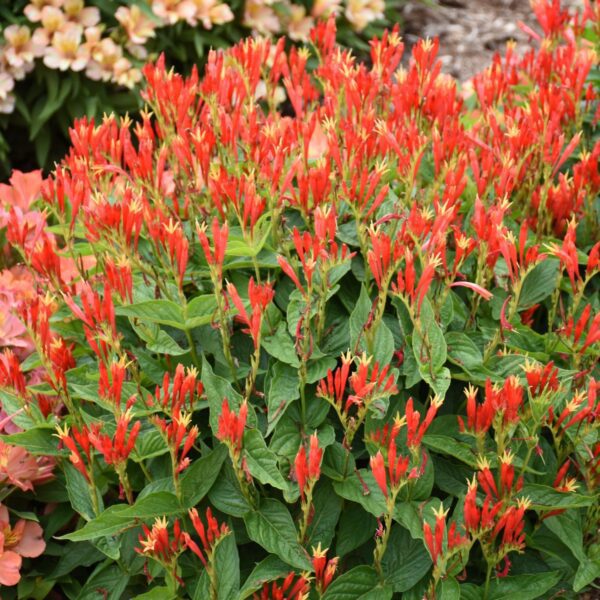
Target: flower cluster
{"x":69,"y":34}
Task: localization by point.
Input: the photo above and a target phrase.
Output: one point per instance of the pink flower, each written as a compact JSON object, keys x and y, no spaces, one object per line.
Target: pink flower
{"x":25,"y":539}
{"x":12,"y":330}
{"x":23,"y":190}
{"x":21,"y":469}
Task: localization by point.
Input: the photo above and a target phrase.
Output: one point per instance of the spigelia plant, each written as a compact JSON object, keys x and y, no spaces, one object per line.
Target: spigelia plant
{"x":345,"y":350}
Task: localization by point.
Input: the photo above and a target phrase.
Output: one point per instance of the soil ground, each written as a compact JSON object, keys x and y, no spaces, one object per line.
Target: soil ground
{"x":470,"y":31}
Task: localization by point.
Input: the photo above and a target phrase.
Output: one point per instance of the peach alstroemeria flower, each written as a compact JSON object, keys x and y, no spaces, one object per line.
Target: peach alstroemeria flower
{"x":21,"y":469}
{"x":362,"y":12}
{"x":105,"y":55}
{"x":25,"y":539}
{"x":172,"y":11}
{"x":323,"y":8}
{"x":66,"y":51}
{"x":12,"y":331}
{"x":33,"y":11}
{"x":299,"y":24}
{"x":20,"y":50}
{"x":207,"y":12}
{"x":77,"y":12}
{"x":260,"y":17}
{"x":23,"y":190}
{"x":7,"y":99}
{"x":137,"y":25}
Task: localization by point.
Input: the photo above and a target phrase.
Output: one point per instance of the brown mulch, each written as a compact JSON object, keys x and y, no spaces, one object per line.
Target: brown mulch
{"x":470,"y":31}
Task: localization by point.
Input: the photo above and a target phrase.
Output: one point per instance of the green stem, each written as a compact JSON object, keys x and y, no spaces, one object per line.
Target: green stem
{"x":488,"y":578}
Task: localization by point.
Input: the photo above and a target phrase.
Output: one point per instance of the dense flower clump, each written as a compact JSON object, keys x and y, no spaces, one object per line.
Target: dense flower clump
{"x":313,"y":328}
{"x":86,"y":55}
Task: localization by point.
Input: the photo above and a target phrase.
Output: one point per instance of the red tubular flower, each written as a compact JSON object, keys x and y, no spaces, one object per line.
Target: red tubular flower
{"x":472,"y":514}
{"x":118,"y":274}
{"x":71,"y":439}
{"x":157,"y":543}
{"x":308,"y":468}
{"x":511,"y":524}
{"x":565,"y":420}
{"x":209,"y":535}
{"x":416,"y":430}
{"x":383,"y":256}
{"x":181,"y":395}
{"x":508,"y":485}
{"x":368,"y":386}
{"x":378,"y":469}
{"x":541,"y":378}
{"x":11,"y":374}
{"x":333,"y":387}
{"x":216,"y":256}
{"x":434,"y":540}
{"x":479,"y":416}
{"x":116,"y":449}
{"x":231,"y":427}
{"x":287,"y":590}
{"x":111,"y":389}
{"x":179,"y":438}
{"x":324,"y":569}
{"x":260,"y":296}
{"x":98,"y":317}
{"x":486,"y":479}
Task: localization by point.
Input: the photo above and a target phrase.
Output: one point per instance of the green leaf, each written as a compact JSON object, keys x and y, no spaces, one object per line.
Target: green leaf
{"x":199,"y":477}
{"x":120,"y":517}
{"x":444,"y":444}
{"x":161,"y":592}
{"x":383,"y":344}
{"x":280,"y":346}
{"x":448,"y":589}
{"x":588,"y":571}
{"x":272,"y":527}
{"x":462,"y":351}
{"x":227,"y":568}
{"x":429,"y":345}
{"x":567,"y":527}
{"x":163,"y":312}
{"x":360,"y":583}
{"x":108,"y":578}
{"x":349,"y":536}
{"x":544,"y":497}
{"x":199,"y":311}
{"x":269,"y":569}
{"x":36,"y":441}
{"x":327,"y":508}
{"x":439,"y":381}
{"x":262,"y":462}
{"x":165,"y":344}
{"x":79,"y":492}
{"x":225,"y":494}
{"x":523,"y":587}
{"x":539,"y":283}
{"x":359,"y":318}
{"x":149,"y":444}
{"x":284,"y":388}
{"x":363,"y":490}
{"x":405,"y":560}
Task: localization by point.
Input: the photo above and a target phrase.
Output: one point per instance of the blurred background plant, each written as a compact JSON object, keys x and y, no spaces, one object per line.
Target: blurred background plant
{"x":62,"y":59}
